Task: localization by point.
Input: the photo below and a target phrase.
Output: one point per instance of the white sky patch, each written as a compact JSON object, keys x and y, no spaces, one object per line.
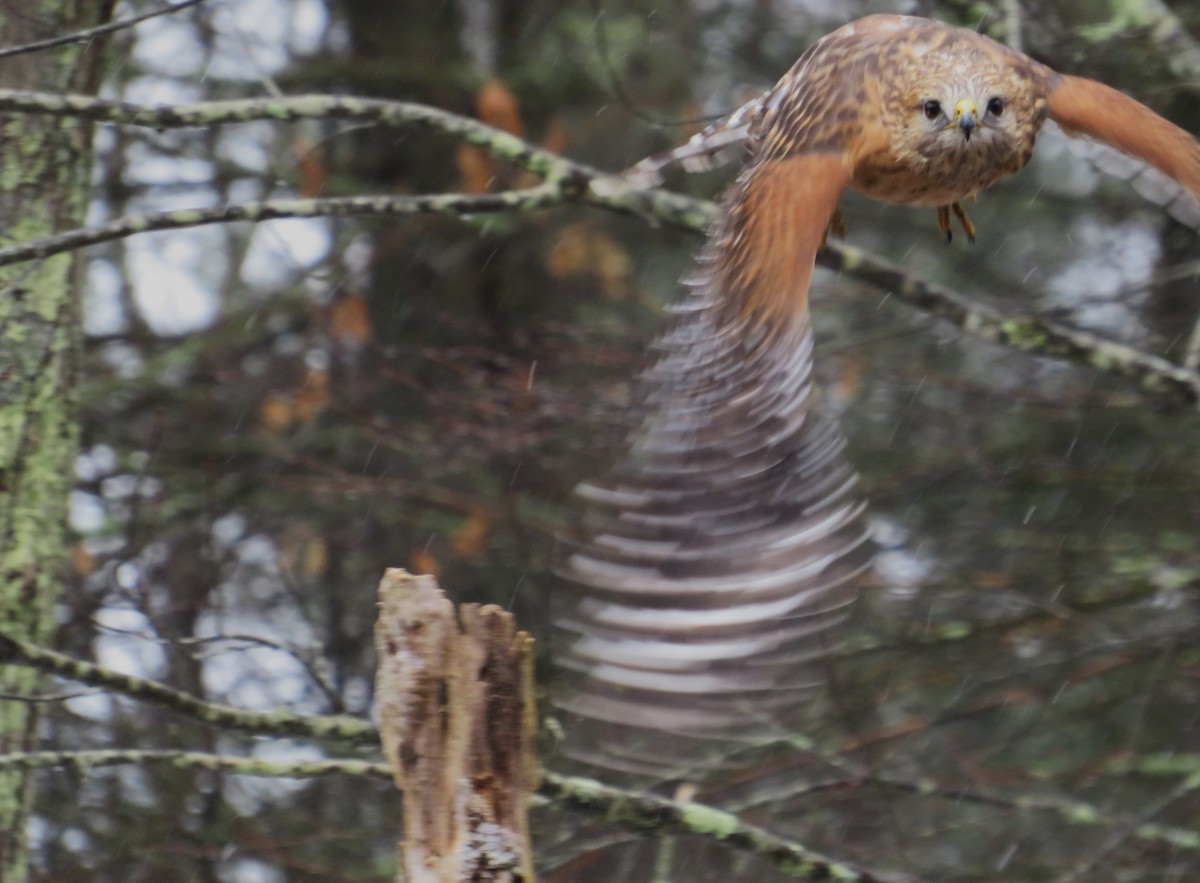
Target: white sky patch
{"x":121,"y":648}
{"x":1108,"y":260}
{"x":252,"y":39}
{"x":92,"y":706}
{"x":176,"y":277}
{"x":125,"y":487}
{"x":280,"y":249}
{"x":167,"y":45}
{"x":228,"y":529}
{"x":102,"y":310}
{"x":286,"y":751}
{"x":1059,"y":168}
{"x":253,"y":676}
{"x":85,"y":512}
{"x":95,"y":462}
{"x":148,"y":169}
{"x":155,"y":90}
{"x":246,"y":869}
{"x":247,"y":145}
{"x":309,"y":20}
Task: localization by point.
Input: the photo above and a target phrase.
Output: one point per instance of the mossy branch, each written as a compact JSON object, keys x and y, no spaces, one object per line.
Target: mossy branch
{"x":14,"y":651}
{"x":1032,"y":334}
{"x":84,"y":762}
{"x":458,"y":204}
{"x":633,"y":811}
{"x":564,"y":181}
{"x":639,"y":812}
{"x":661,"y":815}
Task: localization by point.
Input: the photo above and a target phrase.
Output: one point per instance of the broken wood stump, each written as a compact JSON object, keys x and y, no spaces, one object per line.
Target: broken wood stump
{"x":455,"y":701}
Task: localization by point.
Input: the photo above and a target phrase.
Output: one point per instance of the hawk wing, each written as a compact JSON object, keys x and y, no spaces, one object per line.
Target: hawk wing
{"x":1086,"y":108}
{"x":710,"y":561}
{"x":717,"y":144}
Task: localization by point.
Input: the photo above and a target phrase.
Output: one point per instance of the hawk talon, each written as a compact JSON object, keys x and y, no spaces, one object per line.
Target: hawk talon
{"x":964,"y":221}
{"x":943,"y":221}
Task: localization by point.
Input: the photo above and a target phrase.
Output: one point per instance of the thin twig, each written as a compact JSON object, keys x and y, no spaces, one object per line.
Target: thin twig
{"x":85,"y":761}
{"x":342,"y":206}
{"x":1084,"y":869}
{"x":90,"y":33}
{"x":14,"y":651}
{"x":632,"y":811}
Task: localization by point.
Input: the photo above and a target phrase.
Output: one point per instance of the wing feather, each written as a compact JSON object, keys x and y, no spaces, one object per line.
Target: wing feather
{"x":774,"y":224}
{"x":1087,"y":108}
{"x":710,"y":563}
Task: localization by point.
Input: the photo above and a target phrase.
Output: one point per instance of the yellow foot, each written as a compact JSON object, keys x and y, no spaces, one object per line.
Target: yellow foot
{"x":967,"y":226}
{"x":943,"y":221}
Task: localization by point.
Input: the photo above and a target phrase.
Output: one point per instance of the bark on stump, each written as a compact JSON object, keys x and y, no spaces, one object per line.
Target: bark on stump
{"x":456,"y":714}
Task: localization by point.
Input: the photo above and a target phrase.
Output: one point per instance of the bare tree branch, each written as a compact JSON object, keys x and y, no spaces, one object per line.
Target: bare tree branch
{"x":92,"y":33}
{"x":565,"y":181}
{"x":85,"y":761}
{"x":659,"y":814}
{"x":280,"y":723}
{"x":458,"y":204}
{"x":634,"y":811}
{"x":540,"y":162}
{"x":639,"y":812}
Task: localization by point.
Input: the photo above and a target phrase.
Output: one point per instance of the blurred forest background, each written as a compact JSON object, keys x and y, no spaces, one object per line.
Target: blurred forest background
{"x":272,"y":414}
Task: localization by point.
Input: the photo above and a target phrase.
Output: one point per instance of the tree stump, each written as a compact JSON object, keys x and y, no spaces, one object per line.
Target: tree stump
{"x":456,"y":715}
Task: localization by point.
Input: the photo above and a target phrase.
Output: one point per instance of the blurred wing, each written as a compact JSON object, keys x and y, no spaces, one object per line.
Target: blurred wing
{"x":711,"y":562}
{"x":1146,"y":180}
{"x":1086,"y":108}
{"x":718,"y":144}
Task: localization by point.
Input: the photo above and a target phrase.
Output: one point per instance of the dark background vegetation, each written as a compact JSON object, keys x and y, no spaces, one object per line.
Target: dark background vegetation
{"x":424,"y":392}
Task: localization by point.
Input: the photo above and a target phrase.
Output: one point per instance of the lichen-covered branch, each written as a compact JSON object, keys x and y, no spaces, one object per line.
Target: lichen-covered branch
{"x":85,"y":761}
{"x":502,"y":145}
{"x":458,"y":204}
{"x":644,"y":813}
{"x":1031,"y":334}
{"x":565,"y":181}
{"x":14,"y":651}
{"x":661,"y":815}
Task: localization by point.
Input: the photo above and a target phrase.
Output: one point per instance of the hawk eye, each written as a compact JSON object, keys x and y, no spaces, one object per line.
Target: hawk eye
{"x":995,"y":106}
{"x":933,"y":109}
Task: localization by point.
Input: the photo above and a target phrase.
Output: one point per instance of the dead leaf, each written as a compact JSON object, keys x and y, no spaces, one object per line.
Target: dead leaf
{"x":497,"y":106}
{"x":349,"y":321}
{"x":311,"y":165}
{"x":470,"y":538}
{"x":422,"y":562}
{"x":276,"y":413}
{"x":581,"y":249}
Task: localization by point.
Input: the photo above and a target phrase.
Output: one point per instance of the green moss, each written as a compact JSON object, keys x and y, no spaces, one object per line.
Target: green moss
{"x":1021,"y":333}
{"x":706,"y":820}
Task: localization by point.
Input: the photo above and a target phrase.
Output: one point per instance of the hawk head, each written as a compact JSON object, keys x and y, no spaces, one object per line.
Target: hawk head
{"x":961,"y":117}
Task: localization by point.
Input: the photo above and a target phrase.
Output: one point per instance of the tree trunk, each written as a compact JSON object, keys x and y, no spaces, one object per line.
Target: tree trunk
{"x":44,"y":172}
{"x":455,"y":702}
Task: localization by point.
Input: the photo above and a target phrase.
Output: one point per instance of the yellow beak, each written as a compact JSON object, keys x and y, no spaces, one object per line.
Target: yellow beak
{"x":964,"y":116}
